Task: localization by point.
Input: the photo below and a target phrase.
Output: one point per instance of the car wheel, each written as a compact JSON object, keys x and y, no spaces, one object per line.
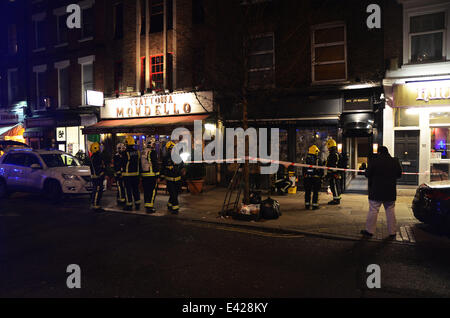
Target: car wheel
{"x":3,"y":189}
{"x":53,"y":191}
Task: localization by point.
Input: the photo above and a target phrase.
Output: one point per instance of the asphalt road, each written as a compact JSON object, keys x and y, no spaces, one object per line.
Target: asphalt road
{"x":138,"y":256}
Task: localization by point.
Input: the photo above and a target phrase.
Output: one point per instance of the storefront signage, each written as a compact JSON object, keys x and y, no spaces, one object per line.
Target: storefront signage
{"x":94,"y":98}
{"x":422,"y":94}
{"x":358,"y":103}
{"x":158,"y":105}
{"x":9,"y":118}
{"x":61,"y":134}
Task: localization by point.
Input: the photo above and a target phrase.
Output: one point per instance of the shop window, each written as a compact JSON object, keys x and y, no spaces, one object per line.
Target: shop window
{"x":118,"y":21}
{"x":404,"y":117}
{"x":329,"y":52}
{"x":261,"y":61}
{"x":426,"y":37}
{"x":439,"y":156}
{"x":306,"y":137}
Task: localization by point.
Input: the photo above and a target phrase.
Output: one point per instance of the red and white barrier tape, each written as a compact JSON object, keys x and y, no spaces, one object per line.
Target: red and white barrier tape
{"x":295,"y":164}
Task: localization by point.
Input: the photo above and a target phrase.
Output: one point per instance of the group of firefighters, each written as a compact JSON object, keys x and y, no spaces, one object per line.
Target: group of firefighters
{"x":130,"y":165}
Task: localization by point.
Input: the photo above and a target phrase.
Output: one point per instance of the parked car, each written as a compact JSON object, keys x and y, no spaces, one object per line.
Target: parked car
{"x":431,"y":204}
{"x":6,"y":145}
{"x":50,"y":172}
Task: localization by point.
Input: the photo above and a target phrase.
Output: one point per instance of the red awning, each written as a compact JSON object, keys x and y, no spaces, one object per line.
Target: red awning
{"x":140,"y":124}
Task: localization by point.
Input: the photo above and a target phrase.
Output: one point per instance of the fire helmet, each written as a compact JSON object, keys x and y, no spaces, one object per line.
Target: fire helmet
{"x":170,"y":145}
{"x":95,"y":147}
{"x":313,"y":150}
{"x":331,"y":143}
{"x":129,"y":141}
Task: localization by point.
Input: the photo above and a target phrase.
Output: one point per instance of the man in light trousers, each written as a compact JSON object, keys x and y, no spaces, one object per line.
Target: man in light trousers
{"x":383,"y":172}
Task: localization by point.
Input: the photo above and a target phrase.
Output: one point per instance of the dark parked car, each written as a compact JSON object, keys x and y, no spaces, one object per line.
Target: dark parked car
{"x":431,"y":204}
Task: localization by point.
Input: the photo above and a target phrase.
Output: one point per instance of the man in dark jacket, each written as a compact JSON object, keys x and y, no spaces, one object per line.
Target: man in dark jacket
{"x":97,"y":176}
{"x":312,"y":178}
{"x":383,"y":172}
{"x":130,"y":173}
{"x":171,"y":172}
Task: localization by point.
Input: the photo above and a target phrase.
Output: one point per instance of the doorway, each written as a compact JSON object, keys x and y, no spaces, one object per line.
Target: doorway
{"x":359,"y":152}
{"x":407,"y":151}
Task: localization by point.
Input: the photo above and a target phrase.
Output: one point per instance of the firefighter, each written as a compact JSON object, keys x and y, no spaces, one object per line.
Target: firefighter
{"x":172,"y":174}
{"x":118,"y":164}
{"x":130,"y":173}
{"x":97,"y":175}
{"x":282,"y":182}
{"x":334,"y":176}
{"x":312,"y":178}
{"x":150,"y":173}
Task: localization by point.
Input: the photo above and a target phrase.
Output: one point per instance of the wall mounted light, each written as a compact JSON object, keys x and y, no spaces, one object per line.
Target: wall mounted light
{"x":375,"y":148}
{"x":339,"y":148}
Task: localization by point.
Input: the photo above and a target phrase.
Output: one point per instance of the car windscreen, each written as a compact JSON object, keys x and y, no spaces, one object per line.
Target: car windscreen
{"x":59,"y":160}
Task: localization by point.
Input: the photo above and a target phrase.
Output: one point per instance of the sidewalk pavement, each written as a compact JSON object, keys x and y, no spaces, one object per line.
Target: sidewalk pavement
{"x":344,"y":221}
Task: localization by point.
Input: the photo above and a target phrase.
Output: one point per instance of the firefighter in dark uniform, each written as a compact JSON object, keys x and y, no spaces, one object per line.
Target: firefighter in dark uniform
{"x":118,"y":164}
{"x":97,"y":176}
{"x":172,"y":174}
{"x":334,"y":176}
{"x":150,"y":174}
{"x":312,"y":178}
{"x":130,"y":173}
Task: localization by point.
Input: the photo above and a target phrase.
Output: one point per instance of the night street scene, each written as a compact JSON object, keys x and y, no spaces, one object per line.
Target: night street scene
{"x":224,"y":156}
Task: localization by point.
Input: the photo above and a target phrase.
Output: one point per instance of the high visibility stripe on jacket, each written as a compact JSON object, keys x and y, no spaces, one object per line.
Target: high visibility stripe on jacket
{"x":172,"y":178}
{"x":131,"y":168}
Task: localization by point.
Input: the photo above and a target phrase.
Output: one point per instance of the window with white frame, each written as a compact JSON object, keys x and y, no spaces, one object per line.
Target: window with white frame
{"x":427,"y":34}
{"x":261,"y":61}
{"x":41,"y":86}
{"x":61,"y":29}
{"x":13,"y":85}
{"x":87,"y":20}
{"x":87,"y":76}
{"x":63,"y":83}
{"x":39,"y":31}
{"x":329,"y":52}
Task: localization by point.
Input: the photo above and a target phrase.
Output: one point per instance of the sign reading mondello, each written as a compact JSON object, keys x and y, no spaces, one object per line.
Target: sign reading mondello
{"x":158,"y":105}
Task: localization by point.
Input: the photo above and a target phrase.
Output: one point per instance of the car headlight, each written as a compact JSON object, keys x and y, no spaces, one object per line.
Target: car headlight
{"x":70,"y":177}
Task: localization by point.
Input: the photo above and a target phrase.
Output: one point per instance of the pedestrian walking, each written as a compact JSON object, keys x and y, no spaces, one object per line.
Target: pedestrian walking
{"x":97,"y":176}
{"x":172,"y":174}
{"x":150,"y":174}
{"x":130,"y":173}
{"x":383,"y":172}
{"x":312,"y":178}
{"x":334,"y":176}
{"x":118,"y":165}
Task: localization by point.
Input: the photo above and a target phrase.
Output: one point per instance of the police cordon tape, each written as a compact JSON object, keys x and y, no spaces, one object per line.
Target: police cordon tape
{"x":295,"y":164}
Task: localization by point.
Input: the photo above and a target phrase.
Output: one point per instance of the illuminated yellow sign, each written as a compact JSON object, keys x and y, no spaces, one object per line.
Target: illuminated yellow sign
{"x":422,"y":94}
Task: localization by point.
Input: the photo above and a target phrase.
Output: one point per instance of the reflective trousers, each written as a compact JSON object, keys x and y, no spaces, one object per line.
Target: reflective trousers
{"x":312,"y":184}
{"x":97,"y":192}
{"x":374,"y":209}
{"x":149,"y":184}
{"x":173,"y":188}
{"x":120,"y":189}
{"x":335,"y":185}
{"x":132,"y":194}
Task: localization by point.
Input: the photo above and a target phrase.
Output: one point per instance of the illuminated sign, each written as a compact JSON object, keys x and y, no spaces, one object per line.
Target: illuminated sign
{"x":432,"y":93}
{"x":158,"y":105}
{"x":94,"y":98}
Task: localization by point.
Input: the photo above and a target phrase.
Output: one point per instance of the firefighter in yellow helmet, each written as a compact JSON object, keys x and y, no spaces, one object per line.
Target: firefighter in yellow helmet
{"x":97,"y":176}
{"x":312,"y":178}
{"x":334,"y":176}
{"x":150,"y":174}
{"x":171,"y":172}
{"x":130,"y":175}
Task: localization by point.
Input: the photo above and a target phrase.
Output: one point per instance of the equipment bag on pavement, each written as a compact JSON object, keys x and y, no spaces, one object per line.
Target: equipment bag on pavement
{"x":270,"y":209}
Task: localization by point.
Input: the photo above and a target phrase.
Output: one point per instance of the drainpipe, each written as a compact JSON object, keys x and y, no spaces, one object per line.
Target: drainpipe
{"x":165,"y":46}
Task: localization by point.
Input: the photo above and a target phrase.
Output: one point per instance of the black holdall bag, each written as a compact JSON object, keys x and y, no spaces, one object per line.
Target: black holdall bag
{"x":270,"y":209}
